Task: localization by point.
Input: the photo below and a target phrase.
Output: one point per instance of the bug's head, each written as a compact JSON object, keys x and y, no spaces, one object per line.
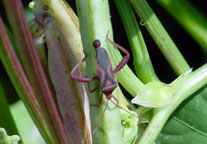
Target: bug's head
{"x":96,"y":44}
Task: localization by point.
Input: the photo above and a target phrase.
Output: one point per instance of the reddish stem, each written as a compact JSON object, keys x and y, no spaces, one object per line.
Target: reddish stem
{"x":33,"y":66}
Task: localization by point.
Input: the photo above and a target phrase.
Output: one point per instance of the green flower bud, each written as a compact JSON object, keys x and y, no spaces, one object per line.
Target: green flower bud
{"x":154,"y":94}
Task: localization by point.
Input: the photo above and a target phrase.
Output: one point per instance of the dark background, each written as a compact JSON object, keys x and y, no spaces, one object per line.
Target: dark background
{"x":191,"y":51}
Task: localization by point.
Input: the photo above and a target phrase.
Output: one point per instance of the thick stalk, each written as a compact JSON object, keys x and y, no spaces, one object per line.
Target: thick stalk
{"x":94,"y":24}
{"x":141,"y":59}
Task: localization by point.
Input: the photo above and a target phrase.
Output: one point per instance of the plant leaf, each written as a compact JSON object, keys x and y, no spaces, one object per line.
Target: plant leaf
{"x":71,"y":95}
{"x":188,"y":123}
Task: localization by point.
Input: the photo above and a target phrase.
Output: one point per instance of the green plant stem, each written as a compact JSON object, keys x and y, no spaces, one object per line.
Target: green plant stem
{"x":94,"y":24}
{"x":160,"y":36}
{"x":126,"y":77}
{"x":193,"y":82}
{"x":189,"y":18}
{"x":141,"y":59}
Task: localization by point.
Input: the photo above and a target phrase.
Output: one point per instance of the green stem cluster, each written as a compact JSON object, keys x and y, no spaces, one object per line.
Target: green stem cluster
{"x":141,"y":59}
{"x":189,"y":18}
{"x":160,"y":36}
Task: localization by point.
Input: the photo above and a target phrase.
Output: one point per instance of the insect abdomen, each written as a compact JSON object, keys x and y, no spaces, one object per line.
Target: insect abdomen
{"x":104,"y":69}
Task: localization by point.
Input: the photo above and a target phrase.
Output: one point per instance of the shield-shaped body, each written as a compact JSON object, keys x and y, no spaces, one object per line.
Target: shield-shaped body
{"x":104,"y":71}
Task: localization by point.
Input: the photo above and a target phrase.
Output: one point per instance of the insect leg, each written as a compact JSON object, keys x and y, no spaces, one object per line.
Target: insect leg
{"x":80,"y":78}
{"x":99,"y":103}
{"x":126,"y":57}
{"x":94,"y":88}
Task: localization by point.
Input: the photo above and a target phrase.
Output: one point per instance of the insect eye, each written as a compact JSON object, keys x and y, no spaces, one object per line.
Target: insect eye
{"x":96,"y":43}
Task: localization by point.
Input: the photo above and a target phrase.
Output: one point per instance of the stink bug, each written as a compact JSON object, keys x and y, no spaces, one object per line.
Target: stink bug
{"x":104,"y":71}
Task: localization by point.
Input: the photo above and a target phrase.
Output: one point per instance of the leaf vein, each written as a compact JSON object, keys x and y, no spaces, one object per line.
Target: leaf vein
{"x":191,"y":127}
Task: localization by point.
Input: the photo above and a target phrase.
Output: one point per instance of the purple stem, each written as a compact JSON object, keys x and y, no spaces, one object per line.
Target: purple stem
{"x":33,"y":67}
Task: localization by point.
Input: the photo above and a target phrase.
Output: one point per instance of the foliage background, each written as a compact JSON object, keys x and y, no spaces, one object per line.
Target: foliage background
{"x":186,"y":44}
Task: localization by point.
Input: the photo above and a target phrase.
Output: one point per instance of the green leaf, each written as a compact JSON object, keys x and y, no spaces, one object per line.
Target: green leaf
{"x":188,"y":124}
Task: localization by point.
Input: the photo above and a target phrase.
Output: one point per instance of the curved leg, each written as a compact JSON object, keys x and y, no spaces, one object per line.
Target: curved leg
{"x":117,"y":105}
{"x":94,"y":88}
{"x":124,"y":60}
{"x":80,"y":78}
{"x":99,"y":103}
